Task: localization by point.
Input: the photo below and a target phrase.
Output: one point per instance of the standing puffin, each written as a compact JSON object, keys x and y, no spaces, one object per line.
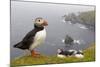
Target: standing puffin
{"x":35,"y":37}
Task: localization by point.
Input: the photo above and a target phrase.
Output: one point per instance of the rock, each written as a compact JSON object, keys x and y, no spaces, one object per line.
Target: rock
{"x":68,"y":40}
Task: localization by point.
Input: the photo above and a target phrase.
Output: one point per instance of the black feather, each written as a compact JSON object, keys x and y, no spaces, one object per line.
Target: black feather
{"x":28,"y":39}
{"x":67,"y":53}
{"x":17,"y":45}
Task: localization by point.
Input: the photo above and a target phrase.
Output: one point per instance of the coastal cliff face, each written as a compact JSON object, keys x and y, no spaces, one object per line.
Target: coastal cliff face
{"x":86,"y":18}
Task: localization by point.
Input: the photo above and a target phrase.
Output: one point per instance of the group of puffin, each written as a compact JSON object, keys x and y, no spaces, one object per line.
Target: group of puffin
{"x":37,"y":36}
{"x":69,"y":53}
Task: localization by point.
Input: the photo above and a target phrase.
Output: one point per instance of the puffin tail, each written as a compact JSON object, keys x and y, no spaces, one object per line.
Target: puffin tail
{"x":18,"y":45}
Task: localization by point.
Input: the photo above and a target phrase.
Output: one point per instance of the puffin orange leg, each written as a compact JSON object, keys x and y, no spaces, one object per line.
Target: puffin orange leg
{"x":34,"y":53}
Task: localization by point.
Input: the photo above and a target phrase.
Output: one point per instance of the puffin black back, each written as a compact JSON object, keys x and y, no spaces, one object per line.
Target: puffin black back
{"x":28,"y":39}
{"x":51,"y":33}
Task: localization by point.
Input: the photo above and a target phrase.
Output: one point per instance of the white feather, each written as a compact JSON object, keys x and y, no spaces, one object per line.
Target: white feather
{"x":61,"y":56}
{"x":38,"y":39}
{"x":71,"y":50}
{"x":79,"y":56}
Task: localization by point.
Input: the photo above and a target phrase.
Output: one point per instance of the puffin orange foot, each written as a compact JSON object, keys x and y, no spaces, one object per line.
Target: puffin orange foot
{"x":35,"y":54}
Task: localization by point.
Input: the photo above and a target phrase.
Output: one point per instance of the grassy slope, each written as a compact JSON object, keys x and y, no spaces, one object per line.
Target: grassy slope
{"x":28,"y":60}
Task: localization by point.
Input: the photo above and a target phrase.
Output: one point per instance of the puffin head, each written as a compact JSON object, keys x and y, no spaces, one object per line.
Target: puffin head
{"x":59,"y":50}
{"x":40,"y":22}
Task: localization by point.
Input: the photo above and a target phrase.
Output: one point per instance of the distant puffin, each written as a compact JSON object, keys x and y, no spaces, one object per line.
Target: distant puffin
{"x":74,"y":53}
{"x":35,"y":37}
{"x":63,"y":54}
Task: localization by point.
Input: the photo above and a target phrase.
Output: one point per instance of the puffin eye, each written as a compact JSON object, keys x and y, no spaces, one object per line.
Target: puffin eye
{"x":39,"y":20}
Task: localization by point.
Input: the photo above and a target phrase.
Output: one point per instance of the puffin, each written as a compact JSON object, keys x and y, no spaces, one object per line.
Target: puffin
{"x":63,"y":54}
{"x":35,"y":37}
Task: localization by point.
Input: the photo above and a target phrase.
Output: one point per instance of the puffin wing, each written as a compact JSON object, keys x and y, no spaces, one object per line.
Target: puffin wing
{"x":29,"y":35}
{"x":27,"y":40}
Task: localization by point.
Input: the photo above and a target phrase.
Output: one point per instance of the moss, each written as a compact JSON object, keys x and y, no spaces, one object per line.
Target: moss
{"x":89,"y":54}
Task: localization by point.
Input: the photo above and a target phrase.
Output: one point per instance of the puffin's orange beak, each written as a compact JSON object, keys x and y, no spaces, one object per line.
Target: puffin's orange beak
{"x":45,"y":23}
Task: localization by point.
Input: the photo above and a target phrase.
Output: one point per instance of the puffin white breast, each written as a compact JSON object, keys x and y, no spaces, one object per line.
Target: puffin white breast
{"x":38,"y":39}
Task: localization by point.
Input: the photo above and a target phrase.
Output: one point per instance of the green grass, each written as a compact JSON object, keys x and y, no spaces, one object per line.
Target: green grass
{"x":89,"y":55}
